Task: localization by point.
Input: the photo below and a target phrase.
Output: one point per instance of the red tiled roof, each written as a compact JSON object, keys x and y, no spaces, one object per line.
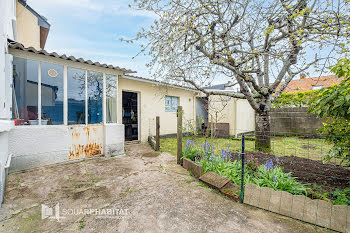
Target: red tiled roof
{"x":305,"y":84}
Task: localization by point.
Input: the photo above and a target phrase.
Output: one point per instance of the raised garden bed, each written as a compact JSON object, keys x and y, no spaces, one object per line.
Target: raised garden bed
{"x":330,"y":176}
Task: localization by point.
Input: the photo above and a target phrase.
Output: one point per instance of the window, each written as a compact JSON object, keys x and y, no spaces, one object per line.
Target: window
{"x":81,"y":103}
{"x":76,"y":96}
{"x":51,"y":94}
{"x":95,"y":97}
{"x":171,"y":103}
{"x":111,"y":98}
{"x":25,"y":91}
{"x":317,"y":87}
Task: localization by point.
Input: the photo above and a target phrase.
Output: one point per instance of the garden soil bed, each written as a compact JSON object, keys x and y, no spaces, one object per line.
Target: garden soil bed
{"x":330,"y":176}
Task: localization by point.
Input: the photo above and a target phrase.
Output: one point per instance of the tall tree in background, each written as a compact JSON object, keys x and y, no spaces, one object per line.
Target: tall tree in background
{"x":261,"y":45}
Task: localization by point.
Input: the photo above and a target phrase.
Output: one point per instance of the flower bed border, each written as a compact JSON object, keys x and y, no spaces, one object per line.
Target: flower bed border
{"x":197,"y":171}
{"x":318,"y":212}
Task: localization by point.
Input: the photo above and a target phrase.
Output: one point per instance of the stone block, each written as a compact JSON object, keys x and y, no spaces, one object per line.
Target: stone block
{"x":254,"y":201}
{"x":324,"y":213}
{"x":338,"y":220}
{"x":310,"y":210}
{"x":249,"y":192}
{"x":298,"y":207}
{"x":286,"y":203}
{"x":275,"y":201}
{"x":265,"y":196}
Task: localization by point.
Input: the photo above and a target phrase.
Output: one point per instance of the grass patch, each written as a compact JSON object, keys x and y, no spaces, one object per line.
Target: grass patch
{"x":280,"y":146}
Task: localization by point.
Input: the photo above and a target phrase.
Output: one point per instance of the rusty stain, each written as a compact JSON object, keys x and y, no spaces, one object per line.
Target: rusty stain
{"x":92,"y":147}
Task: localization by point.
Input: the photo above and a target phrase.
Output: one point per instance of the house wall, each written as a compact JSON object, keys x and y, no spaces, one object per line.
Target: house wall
{"x":39,"y":145}
{"x":28,"y":30}
{"x":7,"y":30}
{"x":152,"y":103}
{"x":236,"y":112}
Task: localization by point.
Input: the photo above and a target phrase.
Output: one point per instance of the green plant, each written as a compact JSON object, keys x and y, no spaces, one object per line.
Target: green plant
{"x":276,"y":179}
{"x":342,"y":196}
{"x":268,"y":175}
{"x":334,"y":103}
{"x":295,"y":99}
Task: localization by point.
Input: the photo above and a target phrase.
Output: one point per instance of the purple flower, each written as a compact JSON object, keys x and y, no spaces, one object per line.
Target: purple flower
{"x":269,"y":165}
{"x":277,"y":160}
{"x":274,"y":179}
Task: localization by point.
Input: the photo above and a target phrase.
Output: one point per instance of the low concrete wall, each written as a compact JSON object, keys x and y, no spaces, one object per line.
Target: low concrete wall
{"x":36,"y":146}
{"x":319,"y":212}
{"x":294,"y":120}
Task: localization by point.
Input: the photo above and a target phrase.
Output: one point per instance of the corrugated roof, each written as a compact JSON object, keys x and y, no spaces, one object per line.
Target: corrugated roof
{"x":19,"y":46}
{"x":159,"y":83}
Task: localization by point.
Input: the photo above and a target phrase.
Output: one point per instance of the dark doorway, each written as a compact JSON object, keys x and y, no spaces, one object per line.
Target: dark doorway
{"x":130,"y":115}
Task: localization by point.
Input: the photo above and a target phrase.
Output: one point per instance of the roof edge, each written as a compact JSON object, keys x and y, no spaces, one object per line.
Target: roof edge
{"x":18,"y":46}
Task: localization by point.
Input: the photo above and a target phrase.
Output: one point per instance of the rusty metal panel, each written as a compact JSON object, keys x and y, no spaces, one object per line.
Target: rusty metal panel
{"x":86,"y":141}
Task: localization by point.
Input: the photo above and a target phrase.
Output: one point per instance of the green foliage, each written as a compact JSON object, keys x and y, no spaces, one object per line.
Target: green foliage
{"x":338,"y":133}
{"x":193,"y":151}
{"x":334,"y":103}
{"x":276,"y":179}
{"x":267,"y":175}
{"x":297,"y":99}
{"x":342,"y":196}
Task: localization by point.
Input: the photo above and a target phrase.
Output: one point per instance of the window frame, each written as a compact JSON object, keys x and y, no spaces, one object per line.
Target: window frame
{"x":84,"y":67}
{"x":170,"y":107}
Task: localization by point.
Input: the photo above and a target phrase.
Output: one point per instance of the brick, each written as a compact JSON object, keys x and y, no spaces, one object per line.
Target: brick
{"x":286,"y":203}
{"x":324,"y":211}
{"x":338,"y":220}
{"x":298,"y":207}
{"x":310,"y":209}
{"x":265,"y":196}
{"x":214,"y":180}
{"x":196,"y":169}
{"x":275,"y":201}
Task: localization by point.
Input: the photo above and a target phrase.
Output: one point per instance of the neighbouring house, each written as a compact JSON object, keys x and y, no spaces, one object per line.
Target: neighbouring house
{"x":226,"y":116}
{"x":308,"y":84}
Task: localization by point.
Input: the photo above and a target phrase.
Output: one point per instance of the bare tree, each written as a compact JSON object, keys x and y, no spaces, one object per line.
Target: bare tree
{"x":261,"y":45}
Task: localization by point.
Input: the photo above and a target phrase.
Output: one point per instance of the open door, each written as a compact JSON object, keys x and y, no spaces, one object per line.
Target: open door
{"x":130,"y":115}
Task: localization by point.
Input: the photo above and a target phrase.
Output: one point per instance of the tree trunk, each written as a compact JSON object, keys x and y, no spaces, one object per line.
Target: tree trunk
{"x":262,"y":131}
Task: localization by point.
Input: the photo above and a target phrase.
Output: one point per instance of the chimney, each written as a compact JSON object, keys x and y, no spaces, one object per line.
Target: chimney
{"x":302,"y":76}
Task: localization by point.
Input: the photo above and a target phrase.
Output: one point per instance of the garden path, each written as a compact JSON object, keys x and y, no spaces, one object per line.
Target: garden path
{"x":159,"y":196}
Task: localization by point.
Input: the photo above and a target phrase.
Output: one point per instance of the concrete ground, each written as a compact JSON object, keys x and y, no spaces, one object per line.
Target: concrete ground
{"x":151,"y":192}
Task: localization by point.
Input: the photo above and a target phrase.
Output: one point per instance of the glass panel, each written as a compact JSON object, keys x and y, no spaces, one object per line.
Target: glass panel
{"x":25,"y":95}
{"x":171,"y":103}
{"x":76,"y":96}
{"x":111,"y":98}
{"x":168,"y":103}
{"x":51,"y":94}
{"x":174,"y":103}
{"x":95,"y":94}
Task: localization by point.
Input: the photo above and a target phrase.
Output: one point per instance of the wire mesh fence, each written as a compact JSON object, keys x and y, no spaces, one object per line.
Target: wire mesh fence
{"x":307,"y":164}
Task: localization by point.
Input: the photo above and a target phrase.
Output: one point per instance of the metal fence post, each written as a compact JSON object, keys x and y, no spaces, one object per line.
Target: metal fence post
{"x":242,"y":170}
{"x":157,"y":134}
{"x":179,"y":135}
